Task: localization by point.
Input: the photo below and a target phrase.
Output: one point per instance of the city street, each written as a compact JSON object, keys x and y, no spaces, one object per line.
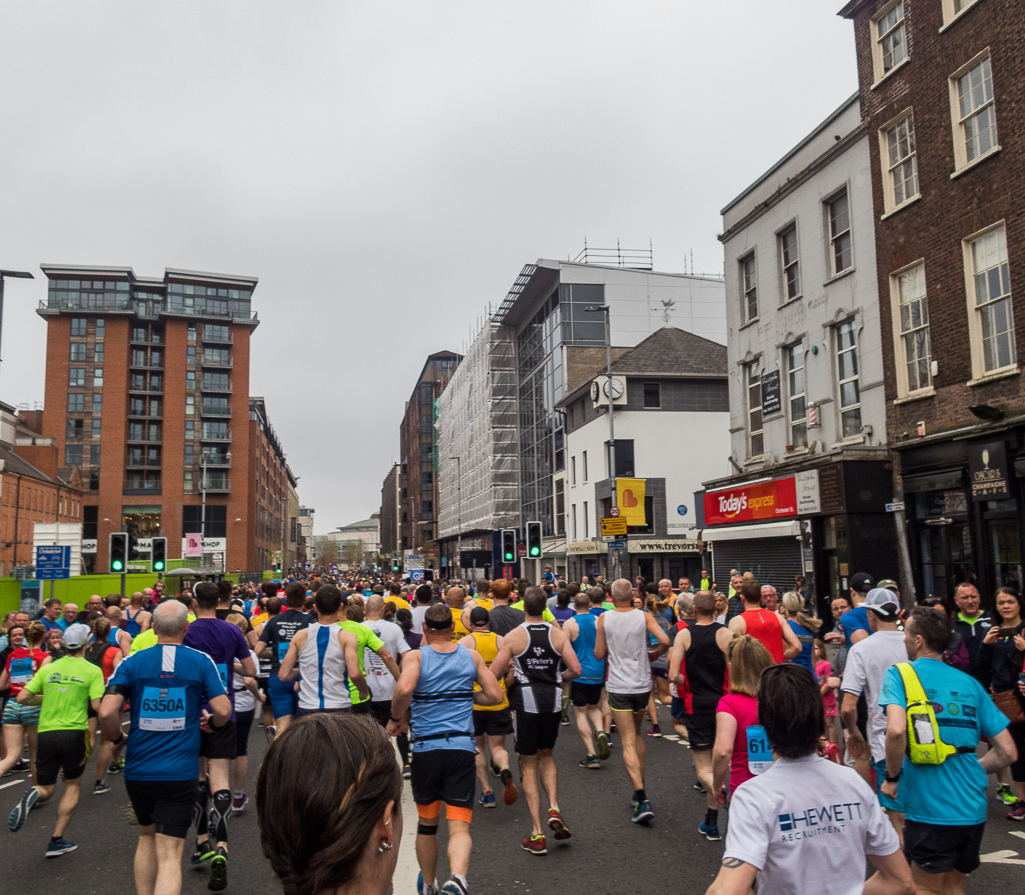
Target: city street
{"x":606,"y":854}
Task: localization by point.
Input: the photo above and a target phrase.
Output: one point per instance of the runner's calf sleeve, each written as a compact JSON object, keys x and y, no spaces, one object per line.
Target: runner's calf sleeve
{"x":199,"y":812}
{"x":426,"y":830}
{"x":219,"y":814}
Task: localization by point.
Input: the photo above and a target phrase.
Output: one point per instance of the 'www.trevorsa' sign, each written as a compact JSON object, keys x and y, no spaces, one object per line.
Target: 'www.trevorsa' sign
{"x":766,"y":500}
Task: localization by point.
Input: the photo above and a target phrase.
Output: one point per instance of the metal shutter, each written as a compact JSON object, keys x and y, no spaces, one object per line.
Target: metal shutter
{"x":774,"y":561}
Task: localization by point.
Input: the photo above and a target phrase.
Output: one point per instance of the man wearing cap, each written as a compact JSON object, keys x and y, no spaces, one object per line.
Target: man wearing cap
{"x":66,"y":689}
{"x":867,"y":663}
{"x":855,"y":623}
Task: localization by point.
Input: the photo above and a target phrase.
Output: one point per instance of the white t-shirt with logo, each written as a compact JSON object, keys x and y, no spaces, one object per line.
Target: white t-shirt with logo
{"x":379,"y":678}
{"x":867,"y":663}
{"x":807,"y":824}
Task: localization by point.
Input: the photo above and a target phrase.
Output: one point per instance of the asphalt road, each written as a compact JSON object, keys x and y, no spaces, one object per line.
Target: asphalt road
{"x":607,"y":853}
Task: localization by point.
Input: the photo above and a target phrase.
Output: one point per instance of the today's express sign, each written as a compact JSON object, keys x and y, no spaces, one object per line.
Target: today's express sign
{"x":766,"y":500}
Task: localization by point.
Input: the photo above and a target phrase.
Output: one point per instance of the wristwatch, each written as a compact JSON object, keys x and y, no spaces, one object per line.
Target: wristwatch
{"x":890,"y":779}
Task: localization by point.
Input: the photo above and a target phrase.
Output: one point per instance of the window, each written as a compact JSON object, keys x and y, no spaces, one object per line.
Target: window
{"x":989,"y":301}
{"x":190,"y":379}
{"x":574,"y":512}
{"x":94,"y":455}
{"x":98,"y":377}
{"x":748,"y":288}
{"x":560,"y":507}
{"x":911,"y":326}
{"x":191,"y":335}
{"x":848,"y":383}
{"x":190,"y":429}
{"x":76,"y":402}
{"x":97,"y":402}
{"x":953,"y":8}
{"x":753,"y":379}
{"x":77,"y":352}
{"x":897,"y":145}
{"x":98,"y":352}
{"x":73,"y":428}
{"x":790,"y":277}
{"x":572,"y":470}
{"x":624,"y":457}
{"x":190,"y":354}
{"x":96,"y":428}
{"x":974,"y":112}
{"x":94,"y":481}
{"x":138,"y":333}
{"x":587,"y":523}
{"x":136,"y":406}
{"x":187,"y":481}
{"x":76,"y":376}
{"x":190,"y":405}
{"x":72,"y":455}
{"x":889,"y":44}
{"x":796,"y":388}
{"x":652,"y":395}
{"x":215,"y":333}
{"x":99,"y":328}
{"x":584,"y":458}
{"x":838,"y":216}
{"x":190,"y":455}
{"x":78,"y":326}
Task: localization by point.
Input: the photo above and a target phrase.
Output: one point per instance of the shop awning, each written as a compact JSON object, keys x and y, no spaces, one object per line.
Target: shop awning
{"x":786,"y":529}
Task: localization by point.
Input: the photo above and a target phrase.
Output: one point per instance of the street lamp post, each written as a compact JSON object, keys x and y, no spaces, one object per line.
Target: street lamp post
{"x":459,"y":528}
{"x":18,"y":274}
{"x":605,"y":309}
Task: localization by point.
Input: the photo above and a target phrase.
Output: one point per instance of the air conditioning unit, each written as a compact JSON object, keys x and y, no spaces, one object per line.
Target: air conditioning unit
{"x":600,"y":388}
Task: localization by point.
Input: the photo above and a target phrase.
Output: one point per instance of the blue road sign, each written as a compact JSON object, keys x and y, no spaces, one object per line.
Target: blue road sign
{"x":682,"y":509}
{"x":53,"y":563}
{"x":617,"y":545}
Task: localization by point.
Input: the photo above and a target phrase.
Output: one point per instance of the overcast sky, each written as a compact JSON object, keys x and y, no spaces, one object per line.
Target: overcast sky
{"x":385,"y":169}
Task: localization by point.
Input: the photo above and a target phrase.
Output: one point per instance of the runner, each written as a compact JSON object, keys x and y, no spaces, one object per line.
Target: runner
{"x":491,"y":723}
{"x":700,"y":651}
{"x":66,"y":689}
{"x":778,"y":638}
{"x":273,"y":643}
{"x":622,"y":636}
{"x":365,"y":639}
{"x":167,"y":687}
{"x":247,"y":695}
{"x":106,"y":657}
{"x":534,"y":649}
{"x":224,"y":644}
{"x":380,"y":680}
{"x":455,"y":597}
{"x":324,"y":660}
{"x":137,"y":617}
{"x":21,"y":722}
{"x":587,"y":691}
{"x":502,"y":618}
{"x":436,"y":684}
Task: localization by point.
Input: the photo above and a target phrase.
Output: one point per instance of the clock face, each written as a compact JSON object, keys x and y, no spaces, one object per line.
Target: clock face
{"x":614,"y":386}
{"x":594,"y":390}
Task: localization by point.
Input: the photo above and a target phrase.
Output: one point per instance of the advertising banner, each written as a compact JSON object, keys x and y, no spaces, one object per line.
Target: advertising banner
{"x":630,"y":500}
{"x":750,"y":503}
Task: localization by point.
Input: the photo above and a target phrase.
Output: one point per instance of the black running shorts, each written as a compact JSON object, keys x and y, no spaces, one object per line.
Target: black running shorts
{"x":221,"y":743}
{"x":700,"y":730}
{"x":167,"y":803}
{"x":444,"y":775}
{"x":629,"y":702}
{"x":492,"y":724}
{"x":581,"y":694}
{"x":536,"y":732}
{"x":940,"y":849}
{"x":60,"y":751}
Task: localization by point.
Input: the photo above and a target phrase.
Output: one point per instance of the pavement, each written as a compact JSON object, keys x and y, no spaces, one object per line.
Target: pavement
{"x":607,"y":853}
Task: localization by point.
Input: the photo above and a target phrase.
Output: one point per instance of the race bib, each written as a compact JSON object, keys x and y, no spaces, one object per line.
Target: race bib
{"x":222,"y":673}
{"x":162,"y":710}
{"x":282,"y":650}
{"x":21,"y":670}
{"x":759,"y":753}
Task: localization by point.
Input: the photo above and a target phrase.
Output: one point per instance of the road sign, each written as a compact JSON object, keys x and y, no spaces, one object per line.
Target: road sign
{"x":416,"y":574}
{"x":617,"y":545}
{"x":613,"y":526}
{"x":895,"y":507}
{"x":614,"y":511}
{"x":53,"y":563}
{"x":521,"y":551}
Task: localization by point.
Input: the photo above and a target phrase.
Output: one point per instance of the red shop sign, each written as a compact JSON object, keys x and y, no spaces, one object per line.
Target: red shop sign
{"x":766,"y":500}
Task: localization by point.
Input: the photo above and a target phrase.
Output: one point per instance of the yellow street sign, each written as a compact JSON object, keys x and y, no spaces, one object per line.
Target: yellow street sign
{"x":611,"y":526}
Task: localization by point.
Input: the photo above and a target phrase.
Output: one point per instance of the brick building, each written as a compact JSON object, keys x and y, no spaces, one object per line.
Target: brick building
{"x":418,"y":498}
{"x":942,"y":85}
{"x":147,"y":395}
{"x":390,"y":513}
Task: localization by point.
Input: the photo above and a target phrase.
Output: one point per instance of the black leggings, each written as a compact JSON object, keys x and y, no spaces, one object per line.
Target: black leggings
{"x":1017,"y":732}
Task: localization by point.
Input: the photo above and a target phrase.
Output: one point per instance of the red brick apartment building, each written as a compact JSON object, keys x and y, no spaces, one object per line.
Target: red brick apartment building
{"x":942,"y":89}
{"x":147,"y":395}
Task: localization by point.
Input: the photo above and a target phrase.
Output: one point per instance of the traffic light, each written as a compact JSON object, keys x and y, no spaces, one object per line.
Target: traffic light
{"x":534,"y":540}
{"x":508,"y":546}
{"x":118,"y":551}
{"x":159,"y":554}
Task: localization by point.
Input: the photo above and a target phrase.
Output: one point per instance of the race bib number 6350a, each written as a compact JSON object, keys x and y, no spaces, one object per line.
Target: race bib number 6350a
{"x":162,"y":710}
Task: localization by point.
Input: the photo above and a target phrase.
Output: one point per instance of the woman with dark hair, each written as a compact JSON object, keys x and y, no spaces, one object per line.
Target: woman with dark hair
{"x":107,"y":657}
{"x":957,"y":653}
{"x":404,"y":619}
{"x":338,"y":830}
{"x":1001,"y":661}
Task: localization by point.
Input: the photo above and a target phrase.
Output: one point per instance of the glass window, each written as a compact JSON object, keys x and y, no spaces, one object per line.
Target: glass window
{"x":76,"y":376}
{"x":94,"y":480}
{"x":848,"y":382}
{"x":77,"y":352}
{"x":76,"y":402}
{"x":652,"y":395}
{"x":94,"y":455}
{"x":72,"y":455}
{"x":190,"y":405}
{"x":891,"y":45}
{"x":97,"y":428}
{"x":901,"y":163}
{"x":756,"y":443}
{"x":190,"y":354}
{"x":587,"y":523}
{"x":190,"y":455}
{"x":572,"y":470}
{"x":73,"y":428}
{"x":574,"y":511}
{"x":138,"y":333}
{"x":98,"y":377}
{"x":99,"y":327}
{"x":97,"y":402}
{"x":990,"y":284}
{"x":98,"y":352}
{"x":789,"y":263}
{"x":976,"y":112}
{"x":839,"y":218}
{"x":187,"y":484}
{"x":190,"y":379}
{"x":584,"y":457}
{"x":749,"y":288}
{"x":190,"y":429}
{"x":913,"y":320}
{"x":78,"y":326}
{"x":192,"y":332}
{"x":796,"y":384}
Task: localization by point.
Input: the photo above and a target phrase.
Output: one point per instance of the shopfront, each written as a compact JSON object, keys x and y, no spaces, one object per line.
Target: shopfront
{"x":670,"y":557}
{"x":585,"y":558}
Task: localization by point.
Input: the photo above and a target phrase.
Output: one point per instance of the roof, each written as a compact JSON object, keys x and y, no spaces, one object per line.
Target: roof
{"x":363,"y":525}
{"x":674,"y":352}
{"x":17,"y":465}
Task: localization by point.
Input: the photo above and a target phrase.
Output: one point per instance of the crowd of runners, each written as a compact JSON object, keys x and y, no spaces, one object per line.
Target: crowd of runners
{"x":817,"y":743}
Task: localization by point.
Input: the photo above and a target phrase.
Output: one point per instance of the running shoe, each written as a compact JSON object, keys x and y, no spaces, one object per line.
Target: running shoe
{"x":58,"y":847}
{"x":238,"y":803}
{"x":642,"y":812}
{"x":23,"y":765}
{"x":487,"y":799}
{"x":509,"y":794}
{"x":17,"y":819}
{"x":558,"y":825}
{"x":133,"y":821}
{"x":564,"y":720}
{"x":99,"y":788}
{"x":1005,"y":794}
{"x":709,"y":831}
{"x":218,"y":871}
{"x":535,"y":845}
{"x":655,"y":731}
{"x":269,"y":731}
{"x":407,"y":772}
{"x":454,"y":887}
{"x":422,"y":888}
{"x":1017,"y":812}
{"x":590,"y":762}
{"x":116,"y":767}
{"x":604,"y":746}
{"x":698,"y":786}
{"x":202,"y":854}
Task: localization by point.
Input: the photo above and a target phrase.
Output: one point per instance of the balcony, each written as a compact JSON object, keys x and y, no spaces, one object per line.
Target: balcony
{"x":214,"y":435}
{"x":217,"y":461}
{"x":224,"y":339}
{"x":145,"y":414}
{"x":215,"y":360}
{"x":215,"y":410}
{"x":216,"y":483}
{"x":143,"y":463}
{"x":146,"y":390}
{"x":85,"y":301}
{"x":147,"y":363}
{"x":144,"y":439}
{"x":154,"y":339}
{"x":211,"y":387}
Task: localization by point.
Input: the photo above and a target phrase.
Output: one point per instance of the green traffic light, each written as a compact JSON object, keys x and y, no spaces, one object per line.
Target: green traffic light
{"x":534,"y":551}
{"x":117,"y":565}
{"x":158,"y":566}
